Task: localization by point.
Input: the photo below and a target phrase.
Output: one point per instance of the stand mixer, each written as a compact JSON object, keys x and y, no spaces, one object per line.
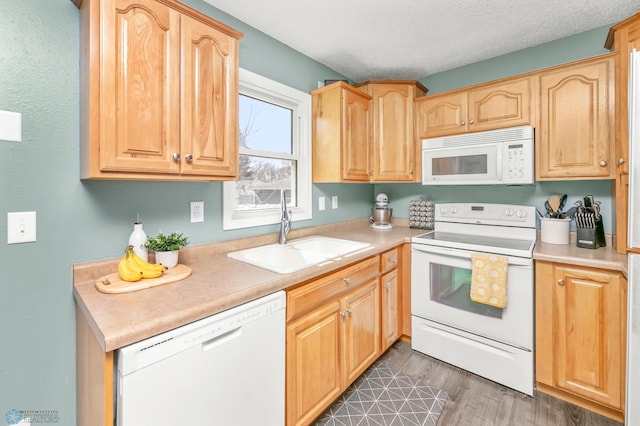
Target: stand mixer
{"x":381,"y":213}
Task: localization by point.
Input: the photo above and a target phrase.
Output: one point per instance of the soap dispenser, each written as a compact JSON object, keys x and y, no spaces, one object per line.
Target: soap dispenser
{"x":137,"y":239}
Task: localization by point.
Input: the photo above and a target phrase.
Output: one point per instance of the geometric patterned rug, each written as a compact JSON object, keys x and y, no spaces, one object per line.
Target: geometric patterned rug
{"x":384,"y":396}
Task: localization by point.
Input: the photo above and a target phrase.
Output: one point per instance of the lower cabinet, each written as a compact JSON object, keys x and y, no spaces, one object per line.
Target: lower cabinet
{"x":390,"y":297}
{"x":581,"y":336}
{"x":333,"y":336}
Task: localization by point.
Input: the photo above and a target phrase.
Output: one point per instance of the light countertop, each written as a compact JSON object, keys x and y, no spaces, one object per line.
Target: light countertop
{"x":219,"y":282}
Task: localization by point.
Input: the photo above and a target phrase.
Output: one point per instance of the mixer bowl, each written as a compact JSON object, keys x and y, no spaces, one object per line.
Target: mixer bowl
{"x":381,"y":215}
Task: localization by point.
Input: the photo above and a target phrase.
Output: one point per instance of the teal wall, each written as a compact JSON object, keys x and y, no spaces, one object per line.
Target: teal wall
{"x":579,"y":46}
{"x":80,"y":221}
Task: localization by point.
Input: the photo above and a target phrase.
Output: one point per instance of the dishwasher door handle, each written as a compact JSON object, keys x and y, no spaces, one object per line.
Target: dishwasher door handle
{"x":221,"y":339}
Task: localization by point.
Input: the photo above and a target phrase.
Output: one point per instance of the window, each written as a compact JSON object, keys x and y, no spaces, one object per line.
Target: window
{"x":275,"y":155}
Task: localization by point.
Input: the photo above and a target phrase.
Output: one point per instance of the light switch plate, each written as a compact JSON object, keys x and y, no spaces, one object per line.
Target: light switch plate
{"x":321,"y":205}
{"x":334,"y":201}
{"x":21,"y":227}
{"x":10,"y":126}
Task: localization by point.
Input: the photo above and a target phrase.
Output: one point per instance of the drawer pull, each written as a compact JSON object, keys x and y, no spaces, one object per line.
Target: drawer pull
{"x":347,"y":280}
{"x":394,"y":261}
{"x":560,"y":281}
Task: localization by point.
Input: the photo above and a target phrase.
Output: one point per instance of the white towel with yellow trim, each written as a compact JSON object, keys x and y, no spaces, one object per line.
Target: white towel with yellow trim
{"x":489,"y":279}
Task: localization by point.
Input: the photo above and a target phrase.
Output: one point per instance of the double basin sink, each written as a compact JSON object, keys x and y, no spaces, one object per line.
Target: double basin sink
{"x":297,"y":254}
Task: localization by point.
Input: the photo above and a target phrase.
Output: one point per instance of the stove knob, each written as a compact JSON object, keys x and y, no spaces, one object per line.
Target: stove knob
{"x":508,"y":212}
{"x":521,"y":213}
{"x":454,"y":210}
{"x":444,"y":210}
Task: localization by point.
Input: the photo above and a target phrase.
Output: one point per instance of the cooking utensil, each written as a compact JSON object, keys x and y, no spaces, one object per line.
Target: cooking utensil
{"x":548,"y":208}
{"x":563,"y":200}
{"x":554,"y":202}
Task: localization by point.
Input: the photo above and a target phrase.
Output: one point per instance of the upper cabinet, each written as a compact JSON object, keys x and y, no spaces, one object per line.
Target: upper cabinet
{"x":392,"y":117}
{"x":365,"y":134}
{"x":575,"y":133}
{"x":159,"y":92}
{"x":622,"y":39}
{"x":488,"y":106}
{"x":340,"y":134}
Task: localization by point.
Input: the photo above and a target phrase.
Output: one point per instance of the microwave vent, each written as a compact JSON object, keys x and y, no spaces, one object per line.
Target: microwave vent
{"x":511,"y":134}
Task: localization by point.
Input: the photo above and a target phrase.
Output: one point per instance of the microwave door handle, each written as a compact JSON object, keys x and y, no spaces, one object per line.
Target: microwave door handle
{"x":499,"y":153}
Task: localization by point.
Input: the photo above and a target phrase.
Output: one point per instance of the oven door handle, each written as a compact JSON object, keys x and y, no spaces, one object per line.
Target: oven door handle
{"x":465,"y":254}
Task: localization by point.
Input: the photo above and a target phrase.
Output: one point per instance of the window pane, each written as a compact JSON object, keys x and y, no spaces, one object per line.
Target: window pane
{"x":265,"y":126}
{"x":262,"y":179}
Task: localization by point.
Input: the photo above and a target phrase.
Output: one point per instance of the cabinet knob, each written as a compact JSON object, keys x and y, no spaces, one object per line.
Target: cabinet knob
{"x":176,"y":155}
{"x":603,"y":163}
{"x":410,"y":171}
{"x":349,"y":311}
{"x":343,"y":314}
{"x":394,"y":261}
{"x":620,"y":160}
{"x":347,"y":280}
{"x":462,"y":123}
{"x":471,"y":121}
{"x":560,"y":281}
{"x":386,"y":287}
{"x":188,"y":157}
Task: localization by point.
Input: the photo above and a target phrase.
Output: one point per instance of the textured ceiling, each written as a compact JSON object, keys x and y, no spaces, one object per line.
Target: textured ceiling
{"x":411,"y":39}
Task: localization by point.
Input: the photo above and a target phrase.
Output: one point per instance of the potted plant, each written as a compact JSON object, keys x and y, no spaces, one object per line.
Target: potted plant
{"x":167,"y":247}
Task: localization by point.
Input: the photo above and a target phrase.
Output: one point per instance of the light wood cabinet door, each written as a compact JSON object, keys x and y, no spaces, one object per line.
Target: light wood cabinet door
{"x":580,"y":335}
{"x":394,"y":144}
{"x":340,"y":134}
{"x":440,"y":115}
{"x":140,"y":87}
{"x":360,"y":330}
{"x":390,"y":301}
{"x":314,"y":374}
{"x":505,"y":104}
{"x":209,"y":126}
{"x":494,"y":105}
{"x":574,"y":139}
{"x":356,"y":155}
{"x":588,"y":335}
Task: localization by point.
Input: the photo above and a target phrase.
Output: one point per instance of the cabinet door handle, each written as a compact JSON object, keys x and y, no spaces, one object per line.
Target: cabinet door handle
{"x":386,"y":287}
{"x":343,"y":314}
{"x":188,"y":157}
{"x":394,"y":261}
{"x":471,"y":121}
{"x":347,"y":280}
{"x":462,"y":123}
{"x":176,"y":155}
{"x":349,"y":311}
{"x":603,"y":163}
{"x":560,"y":281}
{"x":620,"y":160}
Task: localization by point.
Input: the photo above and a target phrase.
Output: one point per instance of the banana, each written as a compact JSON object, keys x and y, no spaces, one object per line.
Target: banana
{"x":147,"y":270}
{"x":127,"y":274}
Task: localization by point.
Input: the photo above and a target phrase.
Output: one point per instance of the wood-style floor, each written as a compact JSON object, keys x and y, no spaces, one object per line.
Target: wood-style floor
{"x":476,"y":401}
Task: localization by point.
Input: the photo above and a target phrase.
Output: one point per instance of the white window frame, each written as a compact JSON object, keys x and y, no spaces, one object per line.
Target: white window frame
{"x":262,"y":88}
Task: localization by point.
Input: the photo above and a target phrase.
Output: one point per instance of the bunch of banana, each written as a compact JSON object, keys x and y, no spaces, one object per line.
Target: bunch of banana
{"x":132,"y":268}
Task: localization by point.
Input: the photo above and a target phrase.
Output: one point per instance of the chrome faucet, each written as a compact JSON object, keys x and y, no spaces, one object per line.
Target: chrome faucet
{"x":285,"y":221}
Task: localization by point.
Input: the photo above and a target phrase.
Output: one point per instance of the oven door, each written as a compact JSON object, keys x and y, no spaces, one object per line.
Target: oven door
{"x":440,"y":287}
{"x":471,"y":165}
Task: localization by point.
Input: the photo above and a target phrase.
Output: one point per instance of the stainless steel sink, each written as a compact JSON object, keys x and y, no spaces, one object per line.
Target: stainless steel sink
{"x":297,"y":254}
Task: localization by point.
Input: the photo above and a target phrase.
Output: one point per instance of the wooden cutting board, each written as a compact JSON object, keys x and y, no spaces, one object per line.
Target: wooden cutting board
{"x":112,"y":283}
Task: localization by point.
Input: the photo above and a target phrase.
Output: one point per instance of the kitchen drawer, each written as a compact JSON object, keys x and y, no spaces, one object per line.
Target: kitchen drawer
{"x":389,"y":260}
{"x":308,"y":296}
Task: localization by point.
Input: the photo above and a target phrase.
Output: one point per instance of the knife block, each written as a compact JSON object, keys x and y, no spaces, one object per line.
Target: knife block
{"x":586,"y":238}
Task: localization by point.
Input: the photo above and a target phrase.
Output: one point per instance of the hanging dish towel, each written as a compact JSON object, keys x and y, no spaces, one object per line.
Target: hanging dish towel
{"x":489,"y":279}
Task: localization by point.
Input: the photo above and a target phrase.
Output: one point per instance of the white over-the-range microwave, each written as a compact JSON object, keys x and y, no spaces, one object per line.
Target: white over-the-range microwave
{"x":494,"y":157}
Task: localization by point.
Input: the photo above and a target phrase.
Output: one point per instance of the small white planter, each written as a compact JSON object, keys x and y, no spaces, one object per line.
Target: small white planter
{"x":167,"y":258}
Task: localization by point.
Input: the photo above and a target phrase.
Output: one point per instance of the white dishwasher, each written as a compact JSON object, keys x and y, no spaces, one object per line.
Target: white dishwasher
{"x":227,"y":369}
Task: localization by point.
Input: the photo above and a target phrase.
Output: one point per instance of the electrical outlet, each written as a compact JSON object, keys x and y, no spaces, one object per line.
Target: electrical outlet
{"x":334,"y":201}
{"x":21,"y":227}
{"x":197,"y":211}
{"x":321,"y":205}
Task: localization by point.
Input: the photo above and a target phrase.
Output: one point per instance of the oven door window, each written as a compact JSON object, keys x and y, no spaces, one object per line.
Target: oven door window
{"x":451,"y":286}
